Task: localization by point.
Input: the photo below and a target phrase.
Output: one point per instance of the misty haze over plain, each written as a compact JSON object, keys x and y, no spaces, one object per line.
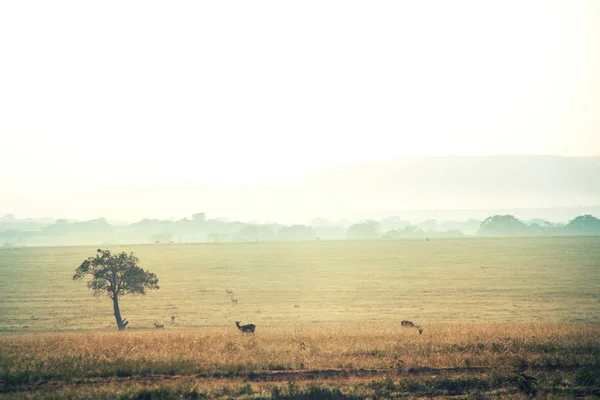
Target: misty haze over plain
{"x":417,"y":188}
{"x":270,"y":111}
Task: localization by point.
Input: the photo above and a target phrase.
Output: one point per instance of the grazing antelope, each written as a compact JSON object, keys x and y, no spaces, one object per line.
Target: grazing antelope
{"x":234,"y":302}
{"x":158,"y":326}
{"x":245,"y":328}
{"x":409,"y":324}
{"x":229,"y":292}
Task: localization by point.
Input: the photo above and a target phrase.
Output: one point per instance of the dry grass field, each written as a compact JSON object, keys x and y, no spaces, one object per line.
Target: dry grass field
{"x":343,"y":361}
{"x":502,"y":318}
{"x":305,"y":284}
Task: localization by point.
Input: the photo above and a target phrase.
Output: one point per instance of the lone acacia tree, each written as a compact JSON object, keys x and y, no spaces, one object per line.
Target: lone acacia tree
{"x":116,"y":275}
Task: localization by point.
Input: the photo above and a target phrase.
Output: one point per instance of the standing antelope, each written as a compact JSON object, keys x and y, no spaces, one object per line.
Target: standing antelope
{"x":234,"y":302}
{"x":245,"y":328}
{"x":158,"y":326}
{"x":229,"y":292}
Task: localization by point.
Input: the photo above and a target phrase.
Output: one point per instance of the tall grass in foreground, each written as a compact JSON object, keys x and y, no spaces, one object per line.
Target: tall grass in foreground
{"x":341,"y":361}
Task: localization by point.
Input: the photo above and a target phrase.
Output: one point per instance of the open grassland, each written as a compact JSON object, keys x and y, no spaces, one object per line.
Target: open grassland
{"x":316,"y":283}
{"x":342,"y":361}
{"x":502,"y":317}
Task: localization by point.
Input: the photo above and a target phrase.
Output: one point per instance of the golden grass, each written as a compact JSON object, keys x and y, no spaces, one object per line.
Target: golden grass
{"x":327,"y":317}
{"x":555,"y":353}
{"x":367,"y":347}
{"x":454,"y":280}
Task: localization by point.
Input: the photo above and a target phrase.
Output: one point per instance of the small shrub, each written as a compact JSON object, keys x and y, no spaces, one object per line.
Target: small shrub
{"x":383,"y":387}
{"x":276,"y":392}
{"x":292,"y":388}
{"x":246,"y":389}
{"x":319,"y":392}
{"x":588,"y":377}
{"x":526,"y":384}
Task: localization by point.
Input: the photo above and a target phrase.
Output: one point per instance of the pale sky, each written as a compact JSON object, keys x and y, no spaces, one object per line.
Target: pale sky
{"x":112,"y":94}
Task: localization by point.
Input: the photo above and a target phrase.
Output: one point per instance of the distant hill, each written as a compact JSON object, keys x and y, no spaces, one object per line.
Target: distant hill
{"x":407,"y":197}
{"x":493,"y":175}
{"x":460,"y":183}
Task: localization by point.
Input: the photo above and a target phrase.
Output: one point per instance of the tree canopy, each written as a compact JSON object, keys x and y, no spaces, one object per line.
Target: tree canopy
{"x":584,"y":224}
{"x":116,"y":275}
{"x":502,"y":225}
{"x":364,"y":230}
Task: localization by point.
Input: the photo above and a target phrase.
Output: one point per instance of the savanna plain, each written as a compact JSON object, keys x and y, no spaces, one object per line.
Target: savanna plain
{"x":501,"y":317}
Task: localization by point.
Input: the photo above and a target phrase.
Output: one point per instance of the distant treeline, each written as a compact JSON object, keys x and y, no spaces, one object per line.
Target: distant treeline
{"x":198,"y":228}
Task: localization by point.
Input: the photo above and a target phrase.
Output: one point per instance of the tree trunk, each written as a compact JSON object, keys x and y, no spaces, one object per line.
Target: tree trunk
{"x":121,"y":323}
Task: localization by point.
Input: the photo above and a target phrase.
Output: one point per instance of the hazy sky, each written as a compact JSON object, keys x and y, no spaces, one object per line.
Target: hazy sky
{"x":106,"y":94}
